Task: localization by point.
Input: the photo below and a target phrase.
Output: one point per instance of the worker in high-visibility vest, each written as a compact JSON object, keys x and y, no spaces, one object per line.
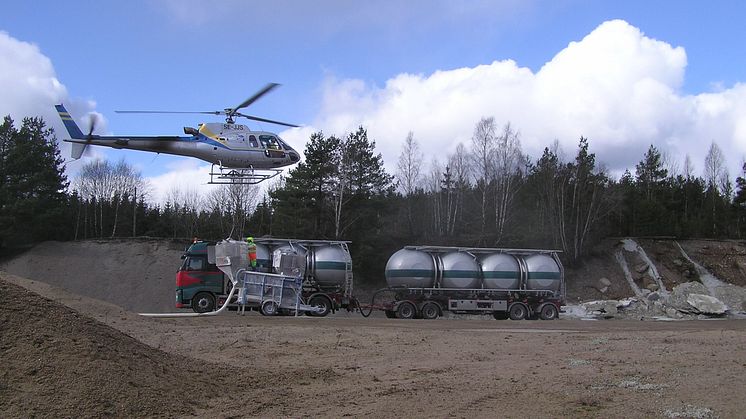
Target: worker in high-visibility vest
{"x":252,"y":253}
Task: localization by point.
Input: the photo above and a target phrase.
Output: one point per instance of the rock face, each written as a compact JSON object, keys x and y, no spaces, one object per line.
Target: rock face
{"x":706,"y":304}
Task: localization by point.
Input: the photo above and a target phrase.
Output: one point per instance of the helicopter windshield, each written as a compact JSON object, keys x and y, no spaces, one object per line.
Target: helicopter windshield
{"x":283,"y":144}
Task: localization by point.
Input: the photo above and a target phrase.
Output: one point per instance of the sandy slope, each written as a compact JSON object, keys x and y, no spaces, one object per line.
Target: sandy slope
{"x":137,"y":275}
{"x":83,"y":351}
{"x":72,"y":362}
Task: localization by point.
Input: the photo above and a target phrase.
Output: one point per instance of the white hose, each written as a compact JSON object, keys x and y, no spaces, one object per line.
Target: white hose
{"x":211,"y":313}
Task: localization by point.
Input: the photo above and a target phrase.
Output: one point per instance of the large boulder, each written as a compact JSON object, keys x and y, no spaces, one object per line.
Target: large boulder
{"x":678,"y":296}
{"x":706,"y":304}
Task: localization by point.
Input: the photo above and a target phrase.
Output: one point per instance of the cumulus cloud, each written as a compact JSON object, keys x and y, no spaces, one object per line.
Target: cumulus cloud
{"x":181,"y":172}
{"x":30,"y":88}
{"x":616,"y":86}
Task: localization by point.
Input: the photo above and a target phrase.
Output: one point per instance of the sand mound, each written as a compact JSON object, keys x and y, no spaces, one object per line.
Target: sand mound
{"x":137,"y":275}
{"x":67,"y":365}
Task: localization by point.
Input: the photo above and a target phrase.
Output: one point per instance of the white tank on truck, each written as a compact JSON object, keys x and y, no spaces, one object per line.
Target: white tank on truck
{"x":515,"y":283}
{"x":328,"y":264}
{"x":459,"y":270}
{"x":543,"y":273}
{"x":501,"y":271}
{"x":410,"y":268}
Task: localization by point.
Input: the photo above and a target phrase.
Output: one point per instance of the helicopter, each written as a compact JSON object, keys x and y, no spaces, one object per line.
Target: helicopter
{"x":242,"y":156}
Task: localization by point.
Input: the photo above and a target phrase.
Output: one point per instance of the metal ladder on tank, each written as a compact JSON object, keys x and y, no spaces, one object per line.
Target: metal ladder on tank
{"x":348,"y":273}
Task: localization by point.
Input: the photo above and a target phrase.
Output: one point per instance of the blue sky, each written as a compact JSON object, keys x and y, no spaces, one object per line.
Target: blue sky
{"x":389,"y":64}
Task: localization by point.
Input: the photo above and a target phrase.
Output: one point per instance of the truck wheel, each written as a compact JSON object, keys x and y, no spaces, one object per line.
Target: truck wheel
{"x":390,"y":314}
{"x":269,"y":308}
{"x":321,"y":302}
{"x":518,"y":311}
{"x":548,"y":312}
{"x":430,"y":311}
{"x":203,"y":302}
{"x":500,"y":315}
{"x":406,"y":310}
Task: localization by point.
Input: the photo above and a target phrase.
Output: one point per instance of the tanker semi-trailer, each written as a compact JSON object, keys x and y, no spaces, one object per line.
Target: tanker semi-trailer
{"x":427,"y":281}
{"x":327,"y":274}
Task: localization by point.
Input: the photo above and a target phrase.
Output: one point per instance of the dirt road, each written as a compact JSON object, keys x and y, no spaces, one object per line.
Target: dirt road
{"x":345,"y":365}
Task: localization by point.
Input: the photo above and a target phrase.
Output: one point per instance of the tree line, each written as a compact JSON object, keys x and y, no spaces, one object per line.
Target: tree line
{"x":486,"y":193}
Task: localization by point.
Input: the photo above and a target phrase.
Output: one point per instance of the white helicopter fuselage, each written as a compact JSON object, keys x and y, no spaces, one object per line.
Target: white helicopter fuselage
{"x":228,"y":145}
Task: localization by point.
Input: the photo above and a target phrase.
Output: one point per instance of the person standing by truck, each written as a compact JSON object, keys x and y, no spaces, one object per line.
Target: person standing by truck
{"x":252,"y":253}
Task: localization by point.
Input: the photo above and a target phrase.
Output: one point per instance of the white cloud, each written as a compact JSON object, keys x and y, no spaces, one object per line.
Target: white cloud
{"x":30,"y":88}
{"x":183,"y":175}
{"x":27,"y":80}
{"x":616,"y":86}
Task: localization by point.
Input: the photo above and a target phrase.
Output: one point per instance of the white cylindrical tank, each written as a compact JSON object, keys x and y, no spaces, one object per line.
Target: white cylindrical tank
{"x":501,"y":271}
{"x":460,"y":270}
{"x":543,"y":273}
{"x":328,"y":265}
{"x":410,"y":268}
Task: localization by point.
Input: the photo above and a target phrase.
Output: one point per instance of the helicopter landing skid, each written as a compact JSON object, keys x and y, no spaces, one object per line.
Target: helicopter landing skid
{"x":228,"y":176}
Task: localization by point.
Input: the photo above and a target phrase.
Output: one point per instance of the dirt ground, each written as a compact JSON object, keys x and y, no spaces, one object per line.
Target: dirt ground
{"x":71,"y":345}
{"x":81,"y":357}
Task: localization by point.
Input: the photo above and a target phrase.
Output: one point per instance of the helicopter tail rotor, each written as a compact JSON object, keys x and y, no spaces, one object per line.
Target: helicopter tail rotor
{"x":79,"y":149}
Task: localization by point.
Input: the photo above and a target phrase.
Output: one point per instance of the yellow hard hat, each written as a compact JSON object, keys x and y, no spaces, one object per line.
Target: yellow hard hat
{"x":249,"y":239}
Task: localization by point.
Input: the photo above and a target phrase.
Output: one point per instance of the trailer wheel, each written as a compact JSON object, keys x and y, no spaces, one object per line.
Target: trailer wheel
{"x":518,"y":311}
{"x":390,"y":314}
{"x":548,"y":312}
{"x":500,"y":315}
{"x":406,"y":310}
{"x":269,"y":308}
{"x":430,"y":311}
{"x":322,"y":302}
{"x":203,"y":302}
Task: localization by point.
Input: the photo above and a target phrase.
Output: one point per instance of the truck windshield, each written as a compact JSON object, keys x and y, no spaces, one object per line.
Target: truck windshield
{"x":192,"y":263}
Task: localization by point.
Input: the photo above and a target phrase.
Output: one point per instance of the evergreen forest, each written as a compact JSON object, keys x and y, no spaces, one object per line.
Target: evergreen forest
{"x":487,"y":193}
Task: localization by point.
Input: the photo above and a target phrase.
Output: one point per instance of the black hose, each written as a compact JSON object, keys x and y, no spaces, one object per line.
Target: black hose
{"x":372,"y":302}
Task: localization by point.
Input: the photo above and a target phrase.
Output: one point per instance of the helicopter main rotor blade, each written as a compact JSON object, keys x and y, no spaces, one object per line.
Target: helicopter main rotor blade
{"x":268,"y":88}
{"x":256,"y":118}
{"x":200,"y":112}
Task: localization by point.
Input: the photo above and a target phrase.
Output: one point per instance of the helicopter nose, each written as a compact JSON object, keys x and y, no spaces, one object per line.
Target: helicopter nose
{"x":294,"y":157}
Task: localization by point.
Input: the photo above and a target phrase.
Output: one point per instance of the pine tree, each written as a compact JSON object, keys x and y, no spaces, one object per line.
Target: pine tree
{"x":32,"y":195}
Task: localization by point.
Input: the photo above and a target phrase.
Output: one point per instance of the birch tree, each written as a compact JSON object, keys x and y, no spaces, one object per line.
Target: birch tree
{"x":408,"y":175}
{"x":507,"y":171}
{"x":714,"y":173}
{"x":460,"y":166}
{"x":432,"y":187}
{"x":483,"y":143}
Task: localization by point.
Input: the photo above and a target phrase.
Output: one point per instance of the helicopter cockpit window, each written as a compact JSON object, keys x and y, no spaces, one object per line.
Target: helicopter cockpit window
{"x":270,"y":142}
{"x":252,"y":141}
